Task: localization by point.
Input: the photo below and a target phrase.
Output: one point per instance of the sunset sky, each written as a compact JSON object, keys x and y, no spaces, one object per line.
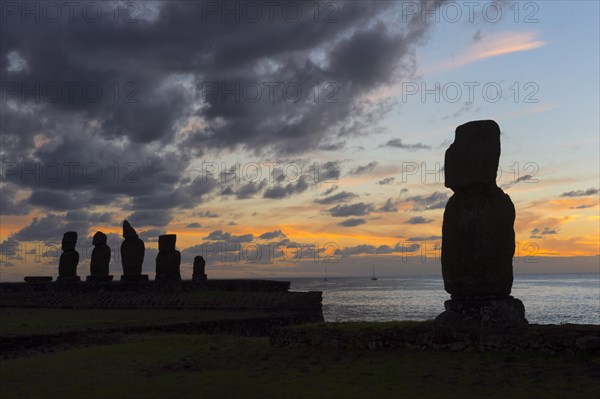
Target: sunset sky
{"x":338,"y":118}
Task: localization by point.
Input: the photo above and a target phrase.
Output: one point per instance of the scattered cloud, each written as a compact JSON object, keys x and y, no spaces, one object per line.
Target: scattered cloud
{"x":418,"y":220}
{"x":428,"y":238}
{"x":363,"y":169}
{"x":379,"y":250}
{"x":436,"y":200}
{"x":539,"y":233}
{"x":386,"y":181}
{"x":271,"y":235}
{"x":389,"y":206}
{"x":358,"y":209}
{"x":580,"y":193}
{"x":284,"y":191}
{"x":397,"y":143}
{"x":352,"y":222}
{"x":343,"y":196}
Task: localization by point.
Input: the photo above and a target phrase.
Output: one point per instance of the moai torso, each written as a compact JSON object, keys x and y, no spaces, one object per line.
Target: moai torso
{"x":132,"y":251}
{"x":67,"y":266}
{"x":168,"y":260}
{"x":99,"y":264}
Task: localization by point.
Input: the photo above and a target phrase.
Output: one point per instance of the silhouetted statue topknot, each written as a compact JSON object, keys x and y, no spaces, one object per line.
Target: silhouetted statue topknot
{"x":67,"y":266}
{"x":132,"y":254}
{"x":168,"y":259}
{"x":478,"y":238}
{"x":99,"y":264}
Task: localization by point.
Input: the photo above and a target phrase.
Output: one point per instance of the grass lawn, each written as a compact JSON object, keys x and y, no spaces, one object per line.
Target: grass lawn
{"x":32,"y":321}
{"x":205,"y":366}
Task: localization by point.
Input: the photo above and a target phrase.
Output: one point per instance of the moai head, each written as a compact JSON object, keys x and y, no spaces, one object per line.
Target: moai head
{"x":166,"y":242}
{"x":128,"y":231}
{"x":99,"y":238}
{"x":199,"y":265}
{"x":474,"y":156}
{"x":69,"y":240}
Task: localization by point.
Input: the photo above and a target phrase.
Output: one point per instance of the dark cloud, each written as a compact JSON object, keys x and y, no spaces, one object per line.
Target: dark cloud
{"x":382,"y":249}
{"x":330,"y":189}
{"x":539,"y":233}
{"x":580,"y":193}
{"x":283,"y":191}
{"x":389,"y":206}
{"x":386,"y":181}
{"x":583,"y":206}
{"x":429,"y":238}
{"x":9,"y":205}
{"x":358,"y":209}
{"x":361,"y":170}
{"x":329,"y":172}
{"x":163,"y":103}
{"x":193,"y":225}
{"x":51,"y":228}
{"x":436,"y":200}
{"x":397,"y":143}
{"x":352,"y":222}
{"x":59,"y":201}
{"x":418,"y":220}
{"x":207,"y":214}
{"x":271,"y":234}
{"x":150,"y":218}
{"x":249,"y":190}
{"x":219,"y":235}
{"x":518,"y":180}
{"x":151,"y":235}
{"x":343,"y":196}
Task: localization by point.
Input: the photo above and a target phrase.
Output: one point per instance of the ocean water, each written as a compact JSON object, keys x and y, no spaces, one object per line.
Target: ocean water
{"x":548,"y":298}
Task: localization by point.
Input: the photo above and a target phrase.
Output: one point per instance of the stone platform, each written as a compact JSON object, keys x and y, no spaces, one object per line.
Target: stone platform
{"x":492,"y":312}
{"x":229,"y":295}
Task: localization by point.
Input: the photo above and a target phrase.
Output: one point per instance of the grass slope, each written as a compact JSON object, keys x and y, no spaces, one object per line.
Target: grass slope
{"x":202,"y":366}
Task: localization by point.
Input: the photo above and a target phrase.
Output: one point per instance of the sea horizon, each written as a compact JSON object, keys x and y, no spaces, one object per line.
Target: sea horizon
{"x":549,"y":298}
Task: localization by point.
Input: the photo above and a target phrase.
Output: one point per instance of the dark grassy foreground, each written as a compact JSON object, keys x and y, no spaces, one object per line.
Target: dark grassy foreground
{"x":36,"y":321}
{"x":188,"y":366}
{"x":167,"y":365}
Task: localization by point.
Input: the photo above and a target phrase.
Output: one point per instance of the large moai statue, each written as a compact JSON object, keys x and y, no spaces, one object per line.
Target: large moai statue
{"x":478,"y":238}
{"x":199,"y":274}
{"x":132,"y":255}
{"x":99,"y":264}
{"x":67,"y":266}
{"x":168,"y":259}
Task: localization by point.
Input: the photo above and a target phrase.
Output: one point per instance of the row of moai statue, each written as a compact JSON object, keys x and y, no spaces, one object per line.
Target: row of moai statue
{"x":168,"y":260}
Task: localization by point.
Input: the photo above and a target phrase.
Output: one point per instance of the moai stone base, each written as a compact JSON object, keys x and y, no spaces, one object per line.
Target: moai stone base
{"x":168,"y":278}
{"x":199,"y":278}
{"x":482,"y":312}
{"x":38,"y":279}
{"x":99,"y":279}
{"x":68,"y":279}
{"x":134,"y":278}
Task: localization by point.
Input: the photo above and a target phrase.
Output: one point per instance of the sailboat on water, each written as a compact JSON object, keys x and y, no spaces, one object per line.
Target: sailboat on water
{"x":373,"y":278}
